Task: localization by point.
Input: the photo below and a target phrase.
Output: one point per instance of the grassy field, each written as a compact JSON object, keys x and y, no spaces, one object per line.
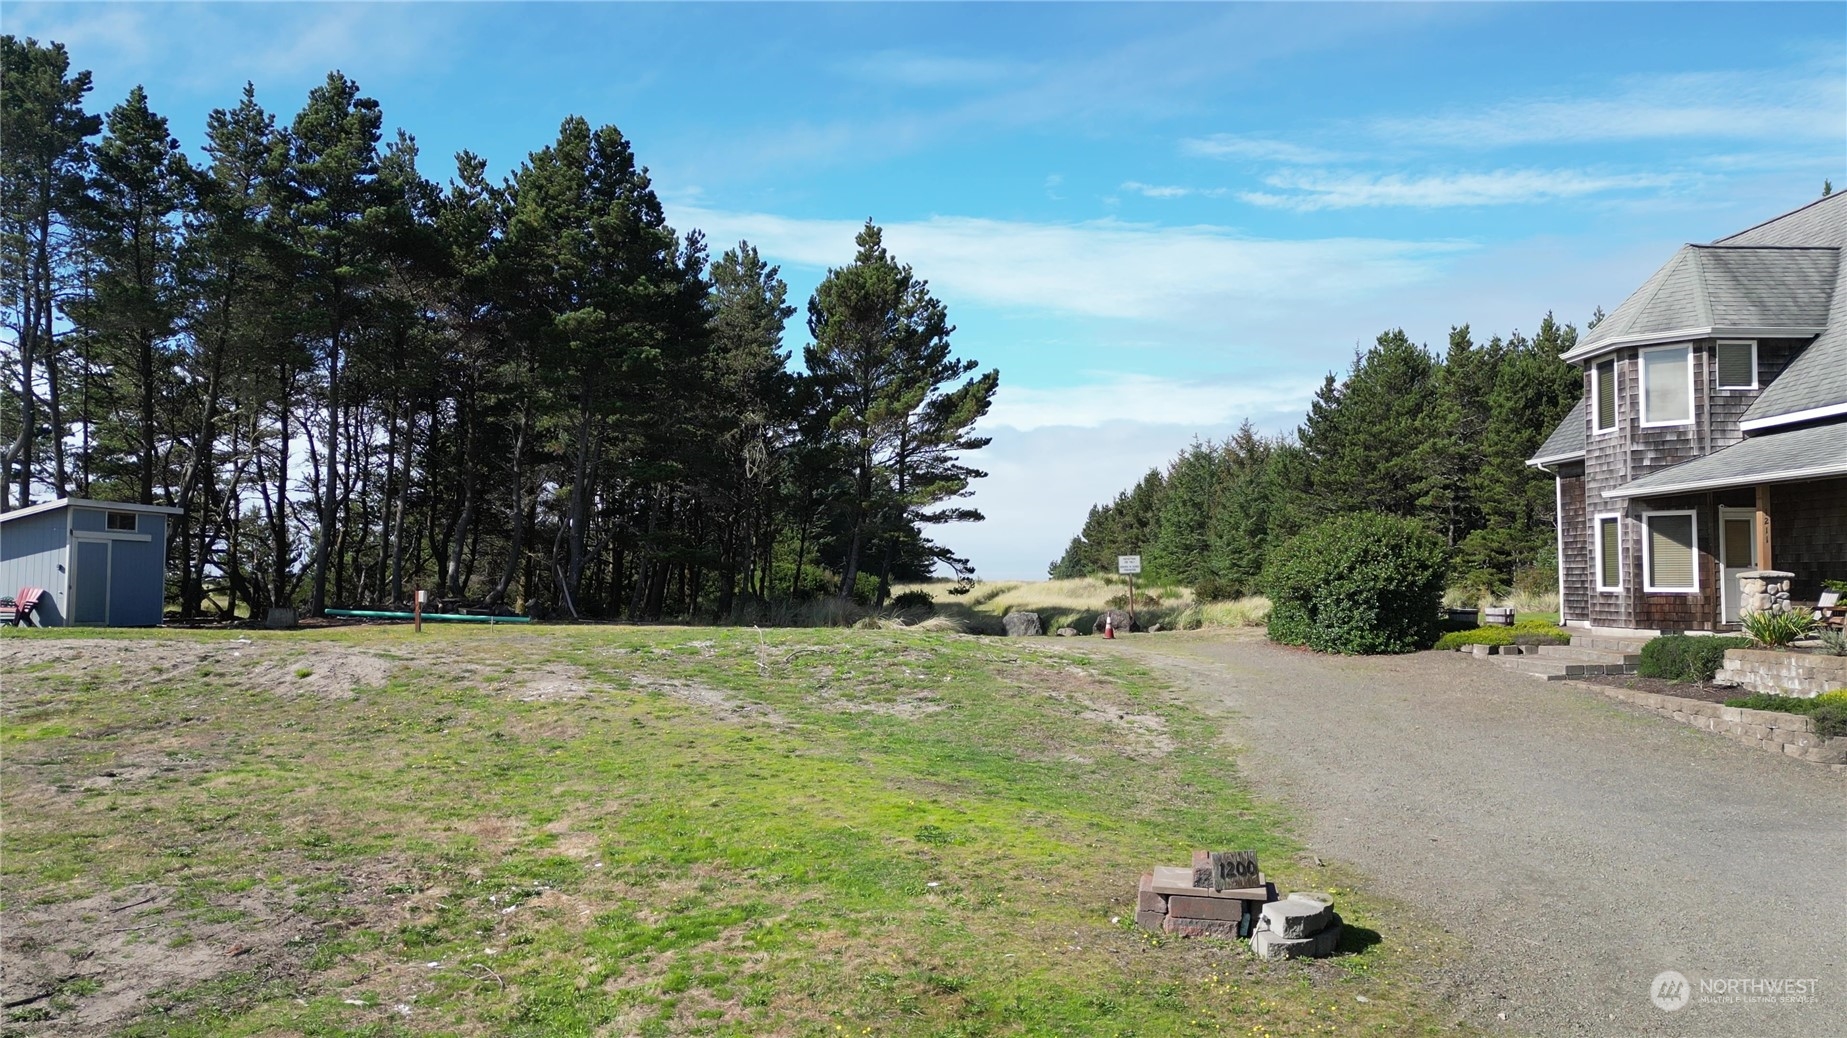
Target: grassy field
{"x":612,"y":831}
{"x":1077,"y":603}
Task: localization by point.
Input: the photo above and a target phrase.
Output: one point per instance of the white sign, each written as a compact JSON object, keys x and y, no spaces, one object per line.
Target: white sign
{"x":1127,"y":564}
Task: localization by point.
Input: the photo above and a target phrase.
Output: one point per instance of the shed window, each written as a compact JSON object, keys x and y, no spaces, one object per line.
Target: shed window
{"x":1603,"y":387}
{"x":1667,"y":386}
{"x":122,"y":521}
{"x":1609,"y":553}
{"x":1671,"y":559}
{"x":1737,"y":365}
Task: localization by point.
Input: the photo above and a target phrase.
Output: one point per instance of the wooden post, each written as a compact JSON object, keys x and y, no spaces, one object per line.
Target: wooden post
{"x":1763,"y":528}
{"x":416,"y":610}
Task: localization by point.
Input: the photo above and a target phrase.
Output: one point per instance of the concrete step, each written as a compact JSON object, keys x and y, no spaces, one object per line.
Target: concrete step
{"x":1612,"y":642}
{"x":1585,"y":655}
{"x":1558,"y":669}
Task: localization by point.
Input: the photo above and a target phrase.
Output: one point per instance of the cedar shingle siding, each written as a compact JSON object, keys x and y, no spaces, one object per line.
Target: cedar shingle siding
{"x":1778,"y":285}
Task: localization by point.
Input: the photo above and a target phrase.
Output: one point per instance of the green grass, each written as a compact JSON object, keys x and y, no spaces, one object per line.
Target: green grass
{"x":661,"y":831}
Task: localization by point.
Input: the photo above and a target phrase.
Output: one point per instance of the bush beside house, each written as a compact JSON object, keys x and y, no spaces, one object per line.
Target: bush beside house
{"x":1680,"y":657}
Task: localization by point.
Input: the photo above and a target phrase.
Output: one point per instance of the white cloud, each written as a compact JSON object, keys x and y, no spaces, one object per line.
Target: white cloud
{"x":1305,"y":191}
{"x":908,"y":69}
{"x":1170,"y":191}
{"x":1805,"y":105}
{"x":1134,"y":397}
{"x":1263,"y":149}
{"x":1104,"y":268}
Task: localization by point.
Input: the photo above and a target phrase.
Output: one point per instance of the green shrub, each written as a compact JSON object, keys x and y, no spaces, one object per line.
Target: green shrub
{"x":1775,"y":630}
{"x":1525,"y":632}
{"x":1357,"y":584}
{"x":1828,"y":710}
{"x":1834,"y":643}
{"x":914,"y":602}
{"x":1680,"y":657}
{"x":1212,"y":589}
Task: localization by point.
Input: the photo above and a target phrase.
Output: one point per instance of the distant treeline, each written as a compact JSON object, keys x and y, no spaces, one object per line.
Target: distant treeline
{"x":1442,"y":440}
{"x":356,"y":380}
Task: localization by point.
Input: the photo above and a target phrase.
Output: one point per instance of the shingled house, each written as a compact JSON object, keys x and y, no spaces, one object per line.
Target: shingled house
{"x":1712,"y":437}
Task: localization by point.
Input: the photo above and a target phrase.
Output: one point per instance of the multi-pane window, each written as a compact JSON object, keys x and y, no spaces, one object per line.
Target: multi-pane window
{"x":1667,"y":385}
{"x":1737,"y":363}
{"x":1609,"y":553}
{"x":124,"y":521}
{"x":1603,"y":390}
{"x":1671,"y":562}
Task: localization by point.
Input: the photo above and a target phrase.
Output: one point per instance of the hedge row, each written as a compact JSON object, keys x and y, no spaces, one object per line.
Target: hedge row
{"x":1828,"y":710}
{"x":1689,"y":658}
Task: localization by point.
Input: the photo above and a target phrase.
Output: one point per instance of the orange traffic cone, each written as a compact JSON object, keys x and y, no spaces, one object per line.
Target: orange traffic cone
{"x":1109,"y":627}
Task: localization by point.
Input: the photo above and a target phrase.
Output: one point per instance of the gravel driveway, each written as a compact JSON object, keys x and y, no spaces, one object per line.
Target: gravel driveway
{"x":1579,"y":847}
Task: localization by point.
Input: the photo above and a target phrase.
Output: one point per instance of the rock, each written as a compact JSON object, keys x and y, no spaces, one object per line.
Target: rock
{"x":1268,"y":945}
{"x":1124,"y":622}
{"x":1155,"y":628}
{"x":1067,"y":632}
{"x":1298,"y":915}
{"x":1513,"y":650}
{"x":1022,"y":625}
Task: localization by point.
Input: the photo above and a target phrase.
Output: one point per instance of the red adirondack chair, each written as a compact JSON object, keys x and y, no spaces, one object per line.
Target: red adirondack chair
{"x":21,"y":609}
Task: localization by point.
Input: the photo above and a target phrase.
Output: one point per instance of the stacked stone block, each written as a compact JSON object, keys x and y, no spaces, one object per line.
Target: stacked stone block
{"x":1195,"y":902}
{"x":1764,"y":591}
{"x":1302,"y":925}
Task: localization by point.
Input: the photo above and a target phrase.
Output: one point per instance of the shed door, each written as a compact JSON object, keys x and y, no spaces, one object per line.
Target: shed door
{"x":90,"y":583}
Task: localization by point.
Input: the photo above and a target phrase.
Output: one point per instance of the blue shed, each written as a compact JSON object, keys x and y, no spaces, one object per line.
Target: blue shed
{"x":101,"y":563}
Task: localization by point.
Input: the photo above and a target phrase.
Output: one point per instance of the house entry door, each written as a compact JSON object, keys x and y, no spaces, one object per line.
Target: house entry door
{"x":1737,"y":554}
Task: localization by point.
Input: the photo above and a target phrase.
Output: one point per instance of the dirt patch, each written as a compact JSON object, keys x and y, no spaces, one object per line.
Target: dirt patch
{"x":89,"y":966}
{"x":722,"y":705}
{"x":1141,"y":736}
{"x":325,"y":670}
{"x":1664,"y":687}
{"x":910,"y":706}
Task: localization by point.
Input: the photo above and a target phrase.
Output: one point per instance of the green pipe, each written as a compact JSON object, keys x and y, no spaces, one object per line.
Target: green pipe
{"x":373,"y":614}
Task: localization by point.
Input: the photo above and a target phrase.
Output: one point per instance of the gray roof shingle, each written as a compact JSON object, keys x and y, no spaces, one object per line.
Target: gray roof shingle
{"x":1815,"y":452}
{"x":1707,"y":290}
{"x":1817,"y":379}
{"x":1567,"y":441}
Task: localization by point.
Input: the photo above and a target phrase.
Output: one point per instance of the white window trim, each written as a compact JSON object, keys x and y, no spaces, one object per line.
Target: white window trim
{"x":1596,"y":533}
{"x":1641,"y":366}
{"x":1596,"y":397}
{"x":1648,"y":556}
{"x":1735,"y":342}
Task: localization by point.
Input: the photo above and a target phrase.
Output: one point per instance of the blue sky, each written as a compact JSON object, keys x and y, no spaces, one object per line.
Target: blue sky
{"x":1156,"y":220}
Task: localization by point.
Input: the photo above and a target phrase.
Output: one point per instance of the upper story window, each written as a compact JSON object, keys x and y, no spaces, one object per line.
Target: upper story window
{"x":1603,"y":392}
{"x":1737,"y":364}
{"x":1667,"y":385}
{"x":122,"y":521}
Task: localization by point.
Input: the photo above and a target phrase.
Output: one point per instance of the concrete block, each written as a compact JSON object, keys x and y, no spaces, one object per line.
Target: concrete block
{"x":1205,"y":907}
{"x":1151,"y":920}
{"x":1268,"y":945}
{"x":1146,"y":899}
{"x":1185,"y":927}
{"x":1294,"y":917}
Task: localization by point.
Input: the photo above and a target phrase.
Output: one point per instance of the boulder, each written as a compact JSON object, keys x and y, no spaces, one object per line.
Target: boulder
{"x":1022,"y":625}
{"x":1298,"y":915}
{"x":1067,"y":632}
{"x":1155,"y":628}
{"x":1125,"y":624}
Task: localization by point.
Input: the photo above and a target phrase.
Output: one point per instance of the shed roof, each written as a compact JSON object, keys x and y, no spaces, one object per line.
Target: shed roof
{"x":84,"y":502}
{"x":1716,"y":291}
{"x":1815,"y":452}
{"x":1567,"y":441}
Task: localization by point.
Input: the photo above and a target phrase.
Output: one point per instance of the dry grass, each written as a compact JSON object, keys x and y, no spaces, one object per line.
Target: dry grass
{"x":1077,"y":602}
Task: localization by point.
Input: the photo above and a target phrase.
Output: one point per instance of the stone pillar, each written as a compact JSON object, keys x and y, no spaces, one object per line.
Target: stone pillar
{"x":1764,"y":591}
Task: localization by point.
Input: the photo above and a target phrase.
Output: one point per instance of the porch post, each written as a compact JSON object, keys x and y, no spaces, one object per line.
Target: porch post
{"x":1764,"y":560}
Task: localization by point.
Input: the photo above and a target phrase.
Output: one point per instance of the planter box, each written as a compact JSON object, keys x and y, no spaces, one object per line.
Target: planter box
{"x":1472,"y":617}
{"x":1783,"y":673}
{"x":280,"y":617}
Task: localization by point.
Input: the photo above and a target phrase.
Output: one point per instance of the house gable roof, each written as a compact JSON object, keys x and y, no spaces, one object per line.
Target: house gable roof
{"x":1815,"y":384}
{"x":1718,"y":291}
{"x":1566,"y":442}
